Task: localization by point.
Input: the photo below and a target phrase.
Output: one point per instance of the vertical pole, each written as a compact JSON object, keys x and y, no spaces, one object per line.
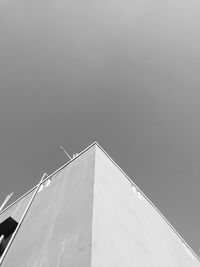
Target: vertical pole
{"x":5,"y":201}
{"x":21,"y":220}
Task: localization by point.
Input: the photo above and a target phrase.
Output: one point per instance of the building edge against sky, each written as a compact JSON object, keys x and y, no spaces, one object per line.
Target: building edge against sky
{"x":136,"y":193}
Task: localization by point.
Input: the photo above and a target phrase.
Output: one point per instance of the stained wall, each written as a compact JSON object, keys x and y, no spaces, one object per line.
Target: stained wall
{"x":90,"y":215}
{"x":127,"y":230}
{"x":57,"y":229}
{"x":16,"y":209}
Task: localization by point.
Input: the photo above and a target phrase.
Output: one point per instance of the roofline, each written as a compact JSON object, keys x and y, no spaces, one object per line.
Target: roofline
{"x":150,"y":202}
{"x":127,"y":177}
{"x":50,"y":176}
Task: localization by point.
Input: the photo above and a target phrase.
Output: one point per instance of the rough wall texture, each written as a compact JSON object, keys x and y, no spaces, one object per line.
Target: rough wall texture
{"x":91,"y":216}
{"x":16,"y":210}
{"x":57,"y":229}
{"x":127,"y":230}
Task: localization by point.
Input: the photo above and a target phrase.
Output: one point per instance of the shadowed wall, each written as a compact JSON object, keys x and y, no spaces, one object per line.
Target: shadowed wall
{"x":91,"y":215}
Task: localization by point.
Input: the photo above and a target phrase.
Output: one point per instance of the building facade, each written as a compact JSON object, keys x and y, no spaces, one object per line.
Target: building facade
{"x":89,"y":213}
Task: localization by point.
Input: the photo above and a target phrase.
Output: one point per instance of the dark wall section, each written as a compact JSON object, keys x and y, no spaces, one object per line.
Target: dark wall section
{"x":17,"y":209}
{"x":57,"y":229}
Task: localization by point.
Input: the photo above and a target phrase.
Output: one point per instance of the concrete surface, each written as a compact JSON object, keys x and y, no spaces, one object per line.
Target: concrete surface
{"x":57,"y":230}
{"x":89,"y":215}
{"x":127,"y":231}
{"x":16,"y":211}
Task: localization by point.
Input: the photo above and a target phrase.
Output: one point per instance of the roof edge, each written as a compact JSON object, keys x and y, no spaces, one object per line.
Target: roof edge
{"x":127,"y":177}
{"x":50,"y":176}
{"x":150,"y":202}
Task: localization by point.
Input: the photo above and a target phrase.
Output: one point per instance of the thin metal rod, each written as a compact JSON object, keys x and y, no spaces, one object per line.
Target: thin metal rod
{"x":50,"y":176}
{"x":21,"y":220}
{"x":65,"y":152}
{"x":5,"y":201}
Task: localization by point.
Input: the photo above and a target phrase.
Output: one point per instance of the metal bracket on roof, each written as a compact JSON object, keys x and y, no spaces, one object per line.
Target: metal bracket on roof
{"x":42,"y":185}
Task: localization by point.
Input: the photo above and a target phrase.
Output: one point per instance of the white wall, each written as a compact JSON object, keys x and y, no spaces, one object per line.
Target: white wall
{"x":127,"y":230}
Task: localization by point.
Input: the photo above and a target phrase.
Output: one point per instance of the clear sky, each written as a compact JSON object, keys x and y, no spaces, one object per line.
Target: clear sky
{"x":123,"y":73}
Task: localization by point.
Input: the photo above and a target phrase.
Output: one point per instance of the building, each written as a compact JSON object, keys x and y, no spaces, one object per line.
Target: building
{"x":89,"y":213}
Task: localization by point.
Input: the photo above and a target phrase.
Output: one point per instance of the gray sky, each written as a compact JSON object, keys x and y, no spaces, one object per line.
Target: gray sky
{"x":124,"y":73}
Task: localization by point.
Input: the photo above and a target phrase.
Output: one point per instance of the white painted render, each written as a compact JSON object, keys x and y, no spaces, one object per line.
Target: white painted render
{"x":127,"y":230}
{"x":90,"y":214}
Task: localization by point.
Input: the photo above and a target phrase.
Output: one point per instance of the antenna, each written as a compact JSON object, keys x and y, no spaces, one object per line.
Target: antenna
{"x":65,"y":152}
{"x":5,"y":201}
